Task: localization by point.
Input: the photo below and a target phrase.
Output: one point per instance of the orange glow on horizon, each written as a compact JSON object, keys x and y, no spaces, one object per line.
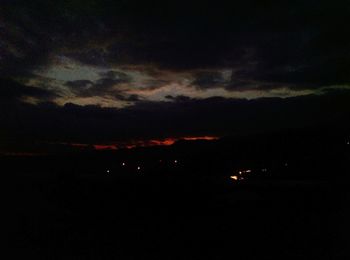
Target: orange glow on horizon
{"x":141,"y":143}
{"x":167,"y":141}
{"x":194,"y":138}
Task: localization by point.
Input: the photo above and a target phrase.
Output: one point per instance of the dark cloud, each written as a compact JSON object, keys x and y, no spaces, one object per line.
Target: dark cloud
{"x":237,"y":84}
{"x":212,"y":79}
{"x":79,"y":83}
{"x":179,"y":98}
{"x":303,"y":43}
{"x":12,"y":91}
{"x":103,"y":86}
{"x":129,"y":98}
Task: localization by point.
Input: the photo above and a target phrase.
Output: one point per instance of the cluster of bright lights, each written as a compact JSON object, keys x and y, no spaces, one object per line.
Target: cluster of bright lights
{"x":240,"y":177}
{"x":241,"y":174}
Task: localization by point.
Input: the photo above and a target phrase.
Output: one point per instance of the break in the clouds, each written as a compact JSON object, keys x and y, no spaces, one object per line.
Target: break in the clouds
{"x":84,"y":84}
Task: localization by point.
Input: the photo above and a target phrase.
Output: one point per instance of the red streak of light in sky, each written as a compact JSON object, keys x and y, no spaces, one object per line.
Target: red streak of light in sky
{"x":105,"y":147}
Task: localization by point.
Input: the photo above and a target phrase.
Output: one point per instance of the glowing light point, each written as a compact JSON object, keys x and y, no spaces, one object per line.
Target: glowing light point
{"x":234,"y":177}
{"x":123,"y":164}
{"x":248,"y":171}
{"x":175,"y":161}
{"x":264,"y":170}
{"x":138,"y":168}
{"x":107,"y":171}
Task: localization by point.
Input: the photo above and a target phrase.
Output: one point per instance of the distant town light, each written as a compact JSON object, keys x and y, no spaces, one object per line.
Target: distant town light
{"x":348,"y":143}
{"x":107,"y":171}
{"x":234,"y":177}
{"x":240,"y":172}
{"x":264,"y":170}
{"x":175,"y":161}
{"x":123,"y":164}
{"x":138,"y":168}
{"x":248,"y":171}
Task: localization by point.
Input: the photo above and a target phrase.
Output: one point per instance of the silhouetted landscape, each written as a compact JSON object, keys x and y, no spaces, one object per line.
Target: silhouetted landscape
{"x":181,"y":201}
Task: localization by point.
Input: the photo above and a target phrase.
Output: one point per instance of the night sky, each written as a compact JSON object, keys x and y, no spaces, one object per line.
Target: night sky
{"x":110,"y":74}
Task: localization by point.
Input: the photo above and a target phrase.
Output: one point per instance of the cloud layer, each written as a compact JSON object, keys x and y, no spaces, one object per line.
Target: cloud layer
{"x":108,"y":70}
{"x":193,"y":46}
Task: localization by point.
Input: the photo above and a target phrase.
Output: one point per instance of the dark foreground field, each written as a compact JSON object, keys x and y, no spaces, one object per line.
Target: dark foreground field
{"x":107,"y":217}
